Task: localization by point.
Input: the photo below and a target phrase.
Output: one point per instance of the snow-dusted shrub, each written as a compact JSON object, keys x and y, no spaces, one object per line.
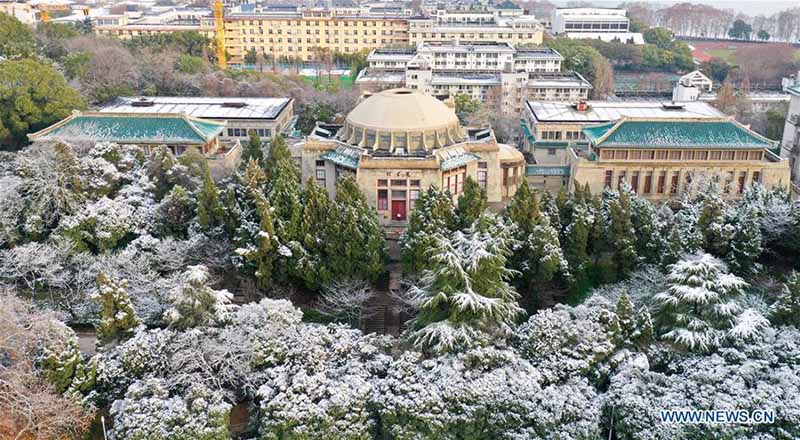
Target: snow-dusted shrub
{"x":103,"y":225}
{"x":760,"y":376}
{"x":641,"y":286}
{"x":196,"y":304}
{"x":564,"y":342}
{"x":145,"y":354}
{"x":148,"y":412}
{"x":481,"y":394}
{"x":12,"y":206}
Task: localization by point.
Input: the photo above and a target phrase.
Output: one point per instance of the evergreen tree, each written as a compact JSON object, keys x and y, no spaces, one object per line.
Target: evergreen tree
{"x":358,"y":249}
{"x":745,"y":243}
{"x":254,"y":149}
{"x":254,"y":177}
{"x":711,"y":220}
{"x":523,"y":208}
{"x":644,"y":326}
{"x":649,"y":242}
{"x":621,"y":235}
{"x":284,"y":195}
{"x":314,"y":232}
{"x":549,"y":208}
{"x":265,"y":252}
{"x":175,"y":213}
{"x":786,"y":308}
{"x":626,"y":318}
{"x":433,"y":213}
{"x":279,"y":151}
{"x":118,"y":320}
{"x":699,"y":307}
{"x":471,"y":204}
{"x":159,"y":170}
{"x":464,"y":297}
{"x":210,"y":214}
{"x":195,"y":304}
{"x":576,"y":242}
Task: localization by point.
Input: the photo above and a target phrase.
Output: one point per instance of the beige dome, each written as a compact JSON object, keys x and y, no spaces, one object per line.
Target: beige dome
{"x":401,"y":121}
{"x":402,"y":109}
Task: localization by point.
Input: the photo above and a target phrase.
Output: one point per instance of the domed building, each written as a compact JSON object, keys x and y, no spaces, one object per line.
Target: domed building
{"x":399,"y":143}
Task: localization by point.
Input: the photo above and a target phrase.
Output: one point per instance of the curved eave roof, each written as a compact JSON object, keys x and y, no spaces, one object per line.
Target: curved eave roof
{"x":675,"y":133}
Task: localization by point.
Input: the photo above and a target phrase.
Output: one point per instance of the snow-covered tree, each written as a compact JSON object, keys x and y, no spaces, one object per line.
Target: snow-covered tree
{"x":649,"y":240}
{"x":744,"y":246}
{"x":347,"y":300}
{"x":104,"y":225}
{"x":195,"y":304}
{"x":786,"y":308}
{"x":433,"y":213}
{"x":482,"y":393}
{"x":465,"y":298}
{"x":118,"y":320}
{"x":635,"y":328}
{"x":175,"y":213}
{"x":711,"y":220}
{"x":148,"y":412}
{"x":253,"y":150}
{"x":165,"y":171}
{"x":471,"y":204}
{"x":621,"y":233}
{"x":699,"y":310}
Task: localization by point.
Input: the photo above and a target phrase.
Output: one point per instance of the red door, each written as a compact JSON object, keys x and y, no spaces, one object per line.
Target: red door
{"x":398,"y":210}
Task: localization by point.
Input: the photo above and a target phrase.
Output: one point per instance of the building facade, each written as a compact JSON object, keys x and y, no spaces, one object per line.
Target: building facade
{"x":303,"y":33}
{"x":503,"y":24}
{"x":485,"y":71}
{"x":594,"y":23}
{"x":398,"y":143}
{"x":660,"y":158}
{"x":790,"y":144}
{"x":128,"y":25}
{"x":268,"y":117}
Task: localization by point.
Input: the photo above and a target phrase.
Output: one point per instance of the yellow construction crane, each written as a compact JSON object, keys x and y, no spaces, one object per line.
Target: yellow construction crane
{"x":44,"y":16}
{"x":219,"y":28}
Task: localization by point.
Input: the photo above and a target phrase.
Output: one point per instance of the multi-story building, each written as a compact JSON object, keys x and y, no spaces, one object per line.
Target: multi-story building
{"x":497,"y":71}
{"x":398,"y":143}
{"x":594,"y":23}
{"x":504,"y":23}
{"x":23,"y":12}
{"x":128,"y":25}
{"x":266,"y":116}
{"x":301,"y":33}
{"x":660,"y":158}
{"x":695,"y":86}
{"x":790,"y":144}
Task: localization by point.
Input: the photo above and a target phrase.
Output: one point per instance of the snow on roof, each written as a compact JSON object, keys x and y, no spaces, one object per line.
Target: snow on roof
{"x":603,"y":111}
{"x":203,"y":107}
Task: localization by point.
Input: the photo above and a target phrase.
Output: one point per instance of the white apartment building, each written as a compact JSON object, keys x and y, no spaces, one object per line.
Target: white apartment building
{"x":594,"y":23}
{"x":790,"y":145}
{"x":504,"y":23}
{"x":482,"y":70}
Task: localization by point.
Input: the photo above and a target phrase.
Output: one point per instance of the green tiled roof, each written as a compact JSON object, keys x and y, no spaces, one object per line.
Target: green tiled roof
{"x":341,"y":159}
{"x":457,"y":161}
{"x":540,"y":170}
{"x":677,"y":133}
{"x":794,"y":90}
{"x":132,"y":128}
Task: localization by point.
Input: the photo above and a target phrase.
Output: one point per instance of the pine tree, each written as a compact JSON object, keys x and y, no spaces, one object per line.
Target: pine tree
{"x":649,"y":242}
{"x":265,"y":254}
{"x":786,"y":308}
{"x":254,"y":176}
{"x":471,"y":204}
{"x":313,"y":234}
{"x":644,"y":328}
{"x":576,"y":243}
{"x":175,"y":213}
{"x":195,"y":304}
{"x":433,"y":213}
{"x":626,"y":317}
{"x":284,"y":195}
{"x":550,"y":209}
{"x":622,"y":236}
{"x":118,"y":320}
{"x":254,"y":149}
{"x":745,"y":243}
{"x":523,"y":208}
{"x":464,"y":297}
{"x":209,"y":209}
{"x":278,"y":151}
{"x":358,"y":249}
{"x":699,"y":307}
{"x":711,"y":220}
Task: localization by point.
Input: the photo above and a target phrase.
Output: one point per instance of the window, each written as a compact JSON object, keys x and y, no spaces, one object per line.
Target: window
{"x":414,"y":183}
{"x":413,"y":195}
{"x":648,"y":182}
{"x":674,"y":155}
{"x":383,"y":200}
{"x":754,"y":155}
{"x":716,"y":155}
{"x":648,"y":154}
{"x":482,"y":178}
{"x":382,"y":182}
{"x":741,"y":155}
{"x":321,"y":177}
{"x":673,"y":184}
{"x":728,"y":182}
{"x":727,"y":155}
{"x":609,"y":176}
{"x":688,"y":155}
{"x":398,"y":183}
{"x":756,"y":176}
{"x":662,"y":177}
{"x":398,"y":194}
{"x":551,"y":151}
{"x":621,"y":154}
{"x":661,"y":155}
{"x":320,"y":163}
{"x":635,"y":181}
{"x":620,"y":179}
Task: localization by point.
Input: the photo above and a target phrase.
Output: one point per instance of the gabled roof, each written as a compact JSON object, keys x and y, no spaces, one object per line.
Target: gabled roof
{"x":675,"y":133}
{"x":507,"y":4}
{"x":131,"y":128}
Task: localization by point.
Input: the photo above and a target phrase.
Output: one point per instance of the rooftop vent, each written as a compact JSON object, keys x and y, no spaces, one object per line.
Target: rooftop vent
{"x":142,"y":103}
{"x":673,"y":106}
{"x":581,"y":106}
{"x":234,"y":104}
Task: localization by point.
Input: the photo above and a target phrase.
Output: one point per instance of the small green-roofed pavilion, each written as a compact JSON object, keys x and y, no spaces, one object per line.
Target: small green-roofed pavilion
{"x":675,"y":133}
{"x":169,"y":129}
